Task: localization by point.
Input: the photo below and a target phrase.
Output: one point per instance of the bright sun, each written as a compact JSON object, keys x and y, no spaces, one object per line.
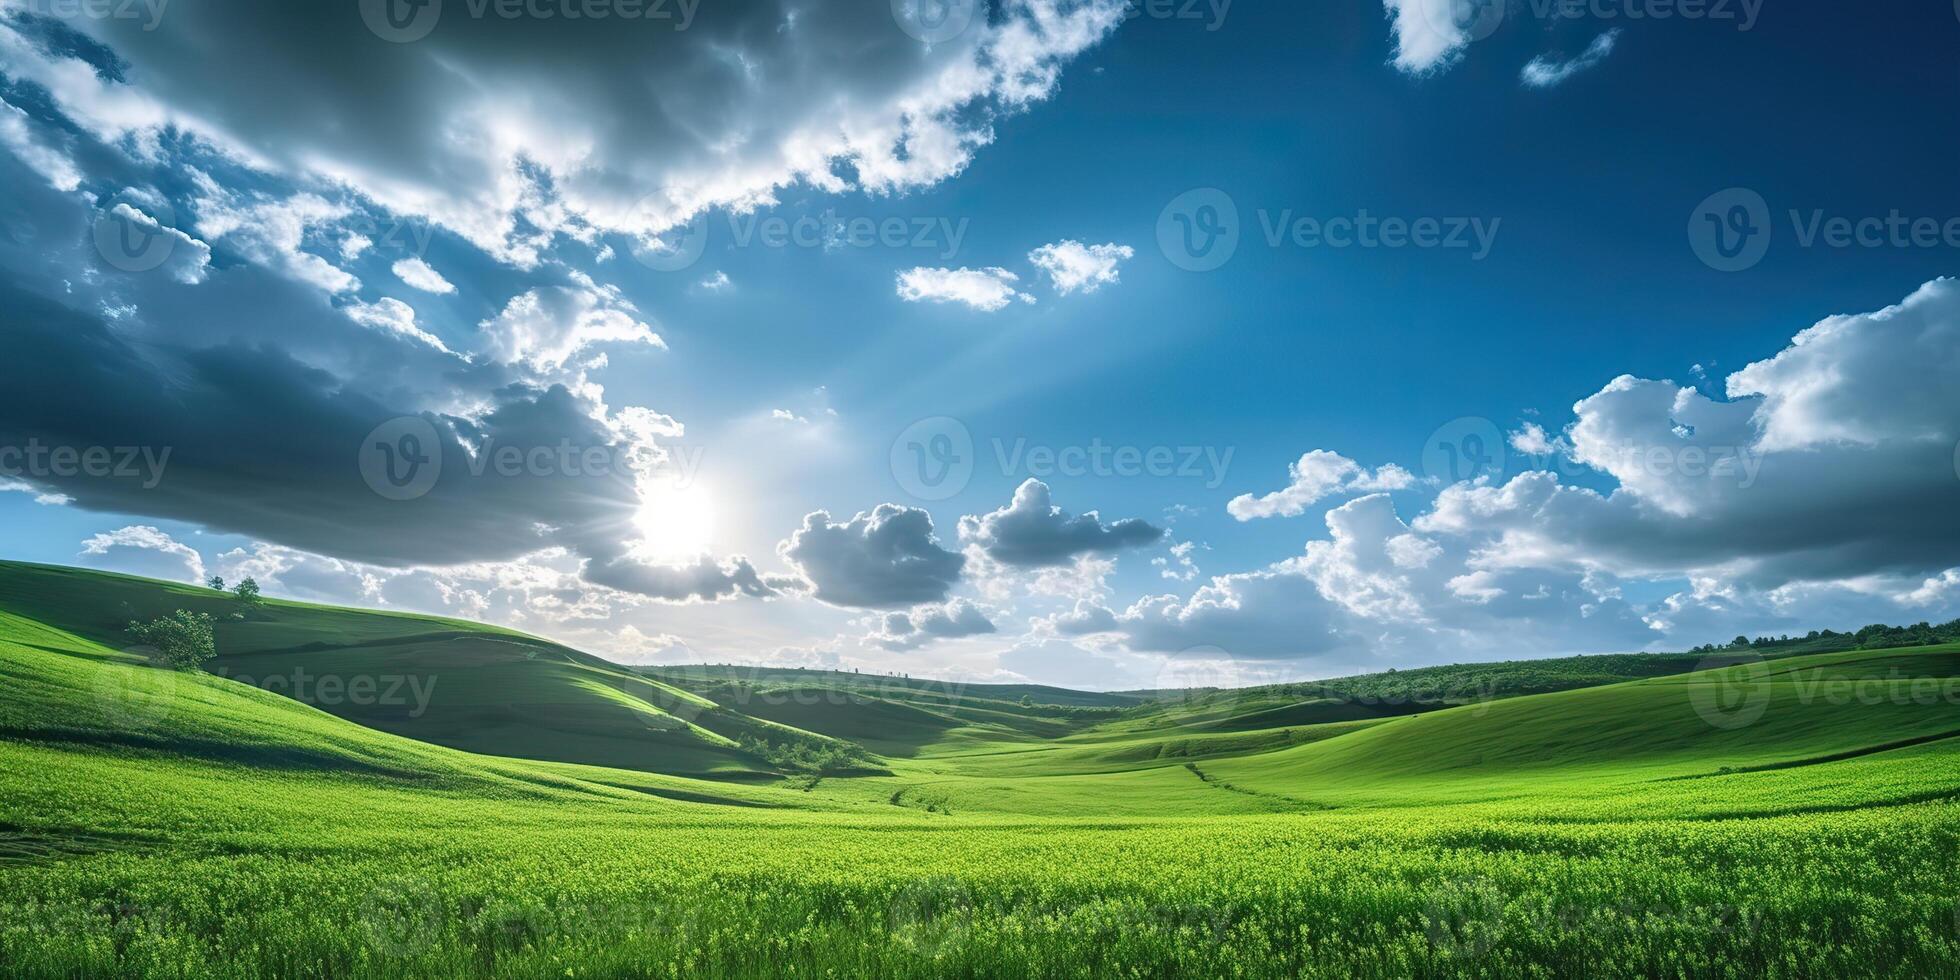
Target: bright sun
{"x":676,"y":522}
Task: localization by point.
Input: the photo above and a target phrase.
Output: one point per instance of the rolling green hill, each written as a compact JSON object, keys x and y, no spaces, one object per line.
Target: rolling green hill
{"x":1767,"y":716}
{"x":446,"y":681}
{"x":1799,"y":816}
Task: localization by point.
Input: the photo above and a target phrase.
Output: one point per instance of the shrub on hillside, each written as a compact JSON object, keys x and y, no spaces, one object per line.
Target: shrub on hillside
{"x":180,"y":641}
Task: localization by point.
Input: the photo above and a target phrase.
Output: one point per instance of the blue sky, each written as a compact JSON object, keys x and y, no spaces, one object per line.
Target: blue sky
{"x":802,"y":372}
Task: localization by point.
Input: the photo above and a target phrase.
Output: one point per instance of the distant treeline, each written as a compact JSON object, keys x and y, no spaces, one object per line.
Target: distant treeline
{"x":1877,"y":636}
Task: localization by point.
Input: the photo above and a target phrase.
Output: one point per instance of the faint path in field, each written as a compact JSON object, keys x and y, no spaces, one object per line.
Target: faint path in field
{"x":929,"y":806}
{"x":1216,"y":783}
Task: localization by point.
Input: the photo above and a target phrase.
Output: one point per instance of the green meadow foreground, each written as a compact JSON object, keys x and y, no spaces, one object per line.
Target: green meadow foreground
{"x":517,"y":808}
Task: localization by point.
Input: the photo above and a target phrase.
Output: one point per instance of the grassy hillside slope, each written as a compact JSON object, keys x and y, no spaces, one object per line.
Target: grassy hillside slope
{"x":1786,"y":714}
{"x":450,"y":682}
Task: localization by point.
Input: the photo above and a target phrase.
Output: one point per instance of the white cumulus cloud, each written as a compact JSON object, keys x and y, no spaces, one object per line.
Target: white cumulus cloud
{"x":988,"y":290}
{"x":1316,"y":476}
{"x":422,"y":276}
{"x":1071,"y":265}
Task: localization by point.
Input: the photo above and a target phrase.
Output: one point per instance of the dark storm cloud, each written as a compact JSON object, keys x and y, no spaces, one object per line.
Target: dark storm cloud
{"x":261,"y":444}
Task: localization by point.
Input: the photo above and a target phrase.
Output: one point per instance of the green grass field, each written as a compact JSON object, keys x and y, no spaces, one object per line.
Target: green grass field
{"x":539,"y":812}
